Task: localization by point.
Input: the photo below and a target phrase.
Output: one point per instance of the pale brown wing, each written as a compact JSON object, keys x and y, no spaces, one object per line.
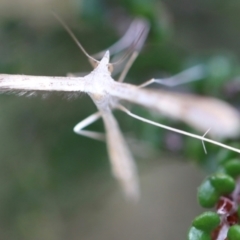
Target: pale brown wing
{"x":122,"y":162}
{"x":41,"y":83}
{"x":202,"y":113}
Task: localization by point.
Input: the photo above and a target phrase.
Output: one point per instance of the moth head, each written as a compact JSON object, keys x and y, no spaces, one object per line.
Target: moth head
{"x":95,"y":64}
{"x":103,"y":64}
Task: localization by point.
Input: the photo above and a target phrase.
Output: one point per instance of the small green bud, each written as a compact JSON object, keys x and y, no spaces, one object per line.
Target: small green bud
{"x":232,"y":167}
{"x":207,"y":194}
{"x":196,"y":234}
{"x":206,"y":221}
{"x":234,"y":232}
{"x":223,"y":183}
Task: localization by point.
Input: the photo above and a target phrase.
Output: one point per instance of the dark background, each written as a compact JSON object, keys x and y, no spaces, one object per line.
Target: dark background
{"x":55,"y":184}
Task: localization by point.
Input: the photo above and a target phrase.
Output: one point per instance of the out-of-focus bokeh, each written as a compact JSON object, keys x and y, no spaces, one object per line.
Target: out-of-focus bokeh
{"x":55,"y":184}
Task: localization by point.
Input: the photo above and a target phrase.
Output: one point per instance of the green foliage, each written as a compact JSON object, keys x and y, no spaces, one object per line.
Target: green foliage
{"x":196,"y":234}
{"x":234,"y":233}
{"x":232,"y":167}
{"x":215,"y":191}
{"x":207,"y":194}
{"x":223,"y":183}
{"x":207,"y":221}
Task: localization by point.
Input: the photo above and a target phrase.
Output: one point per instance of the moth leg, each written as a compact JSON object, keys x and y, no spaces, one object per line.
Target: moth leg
{"x":189,"y":75}
{"x":202,"y":138}
{"x":133,"y":40}
{"x":138,"y":28}
{"x":128,"y":66}
{"x":87,"y":121}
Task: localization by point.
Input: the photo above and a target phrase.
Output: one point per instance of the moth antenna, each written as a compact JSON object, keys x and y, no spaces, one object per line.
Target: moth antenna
{"x":204,"y":147}
{"x":72,"y":35}
{"x":202,"y":138}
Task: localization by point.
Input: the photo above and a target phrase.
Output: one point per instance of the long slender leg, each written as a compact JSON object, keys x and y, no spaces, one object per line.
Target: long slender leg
{"x":132,"y":40}
{"x":189,"y":75}
{"x":122,"y":163}
{"x":87,"y":121}
{"x":128,"y":66}
{"x":202,"y":138}
{"x":138,"y":26}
